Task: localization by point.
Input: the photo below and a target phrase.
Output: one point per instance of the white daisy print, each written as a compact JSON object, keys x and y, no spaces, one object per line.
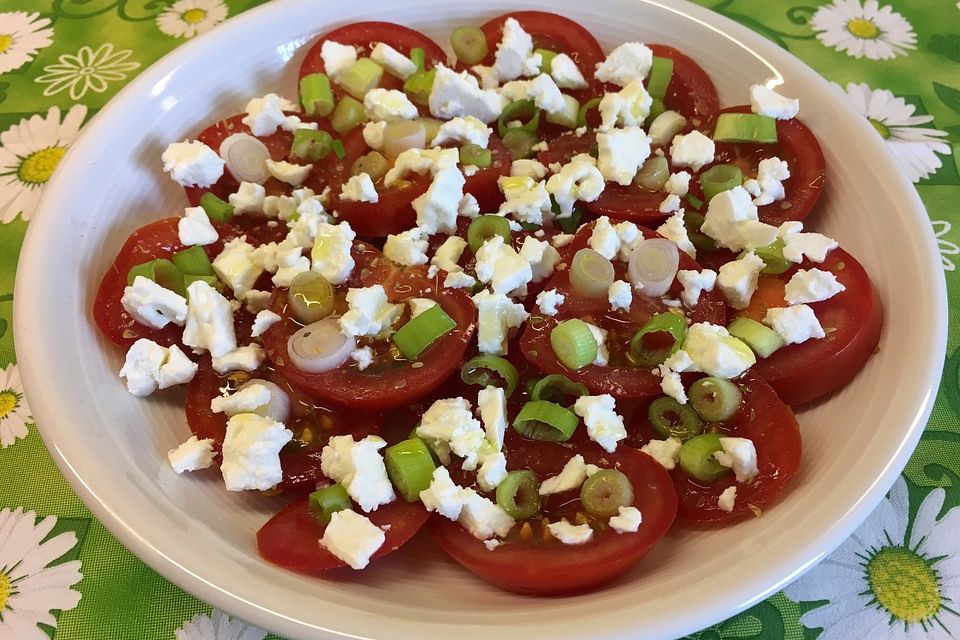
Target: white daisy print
{"x":882,"y":585}
{"x":915,"y":147}
{"x":14,"y":411}
{"x":940,"y":229}
{"x":29,"y":153}
{"x":187,"y":18}
{"x":22,"y":35}
{"x":218,"y":626}
{"x":88,"y":70}
{"x":29,"y":587}
{"x":863,"y":29}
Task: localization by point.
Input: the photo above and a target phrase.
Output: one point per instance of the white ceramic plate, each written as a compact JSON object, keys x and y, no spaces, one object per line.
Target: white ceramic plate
{"x":111,"y":446}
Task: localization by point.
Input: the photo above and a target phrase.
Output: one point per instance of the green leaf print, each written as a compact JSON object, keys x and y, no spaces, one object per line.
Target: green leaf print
{"x":947,"y":46}
{"x":948,"y":95}
{"x":132,"y":10}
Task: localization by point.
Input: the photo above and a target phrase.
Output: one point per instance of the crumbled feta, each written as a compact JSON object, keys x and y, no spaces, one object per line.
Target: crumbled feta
{"x":570,"y":534}
{"x":496,"y":315}
{"x":149,"y":366}
{"x":572,"y":475}
{"x":674,"y":229}
{"x":437,"y":209}
{"x":528,"y":168}
{"x":388,"y":104}
{"x":369,"y":313}
{"x":738,"y":279}
{"x":393,"y":61}
{"x":524,"y":198}
{"x":448,"y":254}
{"x":491,"y":544}
{"x":548,"y":301}
{"x":666,"y":452}
{"x":263,"y":321}
{"x":620,"y":296}
{"x":192,"y":455}
{"x":458,"y":94}
{"x":359,"y":188}
{"x":726,"y":499}
{"x":352,"y":537}
{"x":249,"y":198}
{"x":337,"y":57}
{"x":449,"y":426}
{"x":419,"y":305}
{"x":630,"y":238}
{"x":462,"y":131}
{"x":373,"y":134}
{"x":192,"y":164}
{"x":247,"y":399}
{"x":443,"y":496}
{"x":459,"y":280}
{"x":811,"y":285}
{"x":767,"y":102}
{"x":795,"y":324}
{"x":331,"y":251}
{"x":604,"y":426}
{"x":732,"y":221}
{"x":248,"y":358}
{"x":419,"y":161}
{"x":542,"y":257}
{"x":500,"y":266}
{"x":694,"y":283}
{"x":626,"y":521}
{"x":712,"y":350}
{"x":209,"y":321}
{"x":363,"y":357}
{"x":492,"y":406}
{"x":488,"y":77}
{"x":693,"y":150}
{"x":292,"y":174}
{"x":740,"y":455}
{"x":483,"y":518}
{"x":468,"y":207}
{"x":678,"y":184}
{"x":577,"y":180}
{"x":671,"y":384}
{"x":628,"y":107}
{"x":359,"y":467}
{"x":492,"y":472}
{"x":604,"y":239}
{"x":290,"y":263}
{"x":670,"y":204}
{"x":628,"y":62}
{"x":566,"y":73}
{"x":266,"y":114}
{"x":621,"y":154}
{"x":194,"y":228}
{"x":797,"y":246}
{"x":515,"y":48}
{"x":257,"y":301}
{"x":152,"y":305}
{"x":561,"y":240}
{"x":546,"y":94}
{"x":600,"y":335}
{"x":236,"y":267}
{"x":407,"y":248}
{"x":770,"y":174}
{"x":251,"y":452}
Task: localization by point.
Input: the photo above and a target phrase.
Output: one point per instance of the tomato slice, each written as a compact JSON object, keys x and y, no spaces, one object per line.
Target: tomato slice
{"x":290,"y":538}
{"x":542,"y":566}
{"x":691,"y":92}
{"x":762,"y":418}
{"x":853,"y":320}
{"x":363,"y":35}
{"x":622,"y":378}
{"x":388,"y":383}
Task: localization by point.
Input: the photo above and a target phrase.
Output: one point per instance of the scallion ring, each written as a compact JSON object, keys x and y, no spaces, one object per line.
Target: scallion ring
{"x":541,"y":420}
{"x":487,"y":370}
{"x":661,"y":337}
{"x":671,"y":419}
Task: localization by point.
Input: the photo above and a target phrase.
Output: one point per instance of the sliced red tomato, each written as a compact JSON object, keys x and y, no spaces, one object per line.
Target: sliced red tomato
{"x":290,"y":538}
{"x":363,"y":36}
{"x":853,"y":320}
{"x":621,"y":378}
{"x":155,"y":240}
{"x":798,"y":147}
{"x":691,"y":93}
{"x":312,"y":425}
{"x":772,"y":427}
{"x":388,"y":383}
{"x":536,"y":563}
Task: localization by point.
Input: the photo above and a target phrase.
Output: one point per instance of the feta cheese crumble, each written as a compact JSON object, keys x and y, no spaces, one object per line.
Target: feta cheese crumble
{"x":604,"y":426}
{"x":459,"y":94}
{"x":331,"y":251}
{"x":712,"y":350}
{"x":727,"y":498}
{"x":628,"y":62}
{"x":693,"y":150}
{"x":795,"y":324}
{"x":572,"y":475}
{"x":620,"y":295}
{"x":674,"y":229}
{"x":337,"y":57}
{"x":359,"y":188}
{"x":513,"y":51}
{"x":526,"y":199}
{"x":460,"y":131}
{"x":626,"y":521}
{"x":549,"y":300}
{"x":492,"y":406}
{"x":694,"y":283}
{"x":359,"y":467}
{"x":263,"y":321}
{"x":566,"y":74}
{"x":194,"y":228}
{"x":149,"y":366}
{"x":393,"y":61}
{"x":409,"y":247}
{"x":192,"y":164}
{"x":666,"y":452}
{"x":251,"y":452}
{"x":369,"y":313}
{"x":628,"y":107}
{"x":449,"y":426}
{"x":569,"y":533}
{"x":542,"y":257}
{"x":192,"y":455}
{"x":579,"y":179}
{"x":767,"y":102}
{"x":448,"y":254}
{"x":388,"y":104}
{"x":152,"y":305}
{"x":236,"y":266}
{"x":501,"y":267}
{"x":770,"y":174}
{"x":496,"y":315}
{"x":621,"y":154}
{"x":209,"y":321}
{"x":437,"y":209}
{"x":811,"y":285}
{"x":604,"y":240}
{"x":352,"y":537}
{"x":289,"y":172}
{"x":738,"y":279}
{"x":740,"y":455}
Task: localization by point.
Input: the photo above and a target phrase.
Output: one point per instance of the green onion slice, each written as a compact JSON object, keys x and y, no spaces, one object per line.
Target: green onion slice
{"x":693,"y":221}
{"x":603,"y":493}
{"x":660,"y":74}
{"x":524,"y":111}
{"x":715,"y":399}
{"x":566,"y":117}
{"x":571,"y":223}
{"x":348,"y":114}
{"x":487,"y":370}
{"x":696,"y":457}
{"x":583,"y":114}
{"x":163,"y":272}
{"x":410,"y":467}
{"x":762,"y":339}
{"x":694,"y":201}
{"x":674,"y":420}
{"x":215,"y":208}
{"x":469,"y":44}
{"x":745,"y":127}
{"x":541,"y":420}
{"x":327,"y":501}
{"x":653,"y":174}
{"x":554,"y":387}
{"x":520,"y":143}
{"x":419,"y":57}
{"x":661,"y":337}
{"x":316,"y":96}
{"x":485,"y":227}
{"x":591,"y":274}
{"x":193,"y":262}
{"x":374,"y":164}
{"x":720,"y":178}
{"x":422,"y":331}
{"x":310,"y":297}
{"x":311,"y":144}
{"x":519,"y":494}
{"x":419,"y":85}
{"x":574,"y":343}
{"x":476,"y":155}
{"x":546,"y":59}
{"x":360,"y":77}
{"x":656,"y":110}
{"x":772,"y":255}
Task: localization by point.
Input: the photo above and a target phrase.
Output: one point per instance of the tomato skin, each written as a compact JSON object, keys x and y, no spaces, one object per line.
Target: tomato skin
{"x":559,"y":568}
{"x":808,"y":371}
{"x":762,"y":418}
{"x":622,"y":382}
{"x":349,"y":387}
{"x":290,"y":538}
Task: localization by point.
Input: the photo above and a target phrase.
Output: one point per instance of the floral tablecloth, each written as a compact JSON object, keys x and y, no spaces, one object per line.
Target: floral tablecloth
{"x":62,"y":575}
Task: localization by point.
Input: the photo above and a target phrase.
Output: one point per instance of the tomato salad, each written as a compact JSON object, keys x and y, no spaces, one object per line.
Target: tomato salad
{"x":542,"y":301}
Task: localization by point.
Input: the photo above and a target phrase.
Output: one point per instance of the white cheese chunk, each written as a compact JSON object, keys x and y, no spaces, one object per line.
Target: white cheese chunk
{"x":620,"y":296}
{"x":712,"y":350}
{"x":363,"y":357}
{"x":194,"y":228}
{"x":727,"y":498}
{"x":264,"y":320}
{"x":671,"y":384}
{"x":331,"y":251}
{"x":674,"y":229}
{"x":437,"y":209}
{"x":408,"y":248}
{"x":289,"y":172}
{"x":694,"y":283}
{"x":693,"y":150}
{"x":388,"y":104}
{"x":604,"y":426}
{"x":600,"y":335}
{"x":251,"y":452}
{"x":572,"y":475}
{"x":369,"y":313}
{"x":605,"y":240}
{"x":152,"y":305}
{"x":337,"y":57}
{"x":515,"y":47}
{"x":526,"y":199}
{"x":492,"y":406}
{"x":732,"y":220}
{"x":468,"y":207}
{"x":192,"y":455}
{"x":352,"y":537}
{"x":549,"y":300}
{"x":797,"y":246}
{"x":496,"y":315}
{"x":449,"y":426}
{"x":630,"y":238}
{"x":448,"y":254}
{"x":541,"y":256}
{"x":463,"y":131}
{"x":393,"y":61}
{"x":666,"y":452}
{"x":529,"y":168}
{"x":359,"y":467}
{"x":359,"y":188}
{"x":621,"y":154}
{"x":501,"y":267}
{"x":373,"y":134}
{"x":248,"y":199}
{"x":459,"y":280}
{"x":795,"y":324}
{"x":236,"y":266}
{"x":678,"y":184}
{"x":576,"y":180}
{"x":248,"y":358}
{"x":443,"y":496}
{"x":149,"y":366}
{"x":209,"y":322}
{"x":628,"y":62}
{"x":569,"y":533}
{"x":738,"y":279}
{"x":247,"y":399}
{"x":740,"y":455}
{"x":767,"y":102}
{"x":546,"y":94}
{"x":459,"y":94}
{"x":670,"y":204}
{"x":811,"y":285}
{"x":266,"y":114}
{"x":627,"y":520}
{"x":483,"y":518}
{"x":566,"y":73}
{"x":628,"y":107}
{"x":192,"y":164}
{"x":492,"y":472}
{"x":771,"y":172}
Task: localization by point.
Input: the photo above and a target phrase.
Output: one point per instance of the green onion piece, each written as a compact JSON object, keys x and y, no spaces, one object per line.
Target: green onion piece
{"x":520,"y":143}
{"x":554,"y":387}
{"x":745,"y":127}
{"x":469,"y":44}
{"x":215,"y":208}
{"x":666,"y":331}
{"x":603,"y":493}
{"x":310,"y":297}
{"x":422,"y":331}
{"x":490,"y":370}
{"x":485,"y":227}
{"x":348,"y":114}
{"x":315,"y":95}
{"x":571,"y":223}
{"x":696,"y":457}
{"x":566,"y":117}
{"x":674,"y":420}
{"x":193,"y":262}
{"x":327,"y":501}
{"x":373,"y":164}
{"x":653,"y":174}
{"x":772,"y":256}
{"x":574,"y":343}
{"x":715,"y":399}
{"x":311,"y":144}
{"x":360,"y":77}
{"x":694,"y":201}
{"x":762,"y":339}
{"x":720,"y":178}
{"x":590,"y":273}
{"x":540,"y":420}
{"x":419,"y":85}
{"x":210,"y":280}
{"x":163,"y":272}
{"x":546,"y":59}
{"x":476,"y":155}
{"x":592,"y":103}
{"x":523,"y":111}
{"x":660,"y":74}
{"x":419,"y":57}
{"x":410,"y":467}
{"x":656,"y":109}
{"x":519,"y":494}
{"x":338,"y":149}
{"x":693,"y":221}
